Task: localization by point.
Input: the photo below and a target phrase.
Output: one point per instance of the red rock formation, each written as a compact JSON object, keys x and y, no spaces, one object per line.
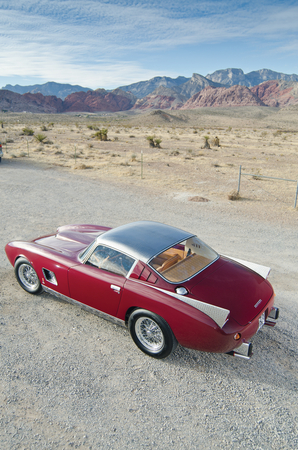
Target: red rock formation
{"x":35,"y":103}
{"x":161,"y":98}
{"x":94,"y":101}
{"x":223,"y":97}
{"x":277,"y":92}
{"x":49,"y":103}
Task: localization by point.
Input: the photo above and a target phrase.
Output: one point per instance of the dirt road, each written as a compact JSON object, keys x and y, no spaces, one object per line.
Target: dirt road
{"x":72,"y":380}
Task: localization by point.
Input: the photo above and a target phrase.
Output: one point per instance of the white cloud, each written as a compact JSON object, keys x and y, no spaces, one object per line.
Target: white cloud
{"x":97,"y":43}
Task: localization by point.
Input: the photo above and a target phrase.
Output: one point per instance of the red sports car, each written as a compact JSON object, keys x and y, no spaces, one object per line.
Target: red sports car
{"x":164,"y":284}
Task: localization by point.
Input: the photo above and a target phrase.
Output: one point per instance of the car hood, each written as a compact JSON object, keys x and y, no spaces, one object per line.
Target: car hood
{"x":234,"y":287}
{"x":71,"y":238}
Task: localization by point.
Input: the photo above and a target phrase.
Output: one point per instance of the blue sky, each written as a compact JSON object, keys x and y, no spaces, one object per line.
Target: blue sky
{"x":105,"y":44}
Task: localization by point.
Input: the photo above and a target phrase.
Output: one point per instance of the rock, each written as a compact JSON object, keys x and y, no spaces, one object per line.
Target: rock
{"x":223,"y":97}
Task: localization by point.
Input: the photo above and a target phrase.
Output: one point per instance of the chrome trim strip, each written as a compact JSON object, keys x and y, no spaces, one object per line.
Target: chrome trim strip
{"x":98,"y":313}
{"x":219,"y":315}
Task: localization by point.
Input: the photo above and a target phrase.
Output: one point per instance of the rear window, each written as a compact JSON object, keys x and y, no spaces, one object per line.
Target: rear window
{"x":184,"y":260}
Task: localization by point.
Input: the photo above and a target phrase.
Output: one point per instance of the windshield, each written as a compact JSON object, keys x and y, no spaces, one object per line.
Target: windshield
{"x":184,"y":260}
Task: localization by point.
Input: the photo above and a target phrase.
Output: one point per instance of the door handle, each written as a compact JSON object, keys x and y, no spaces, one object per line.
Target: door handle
{"x":116,"y":288}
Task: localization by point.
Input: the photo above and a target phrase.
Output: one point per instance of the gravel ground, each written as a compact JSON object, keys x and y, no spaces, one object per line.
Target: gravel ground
{"x":72,"y":380}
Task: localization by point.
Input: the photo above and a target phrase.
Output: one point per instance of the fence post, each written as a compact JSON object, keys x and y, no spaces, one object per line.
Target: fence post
{"x":141,"y":164}
{"x":239,"y":179}
{"x":296,"y":196}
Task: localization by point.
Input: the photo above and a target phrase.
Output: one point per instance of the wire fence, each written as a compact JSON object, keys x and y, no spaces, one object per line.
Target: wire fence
{"x":257,"y":176}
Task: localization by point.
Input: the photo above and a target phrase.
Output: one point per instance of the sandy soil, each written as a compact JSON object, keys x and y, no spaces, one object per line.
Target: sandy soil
{"x":264,"y":141}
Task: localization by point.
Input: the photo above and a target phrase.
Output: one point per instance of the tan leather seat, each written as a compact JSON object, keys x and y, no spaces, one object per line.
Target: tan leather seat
{"x":169,"y":262}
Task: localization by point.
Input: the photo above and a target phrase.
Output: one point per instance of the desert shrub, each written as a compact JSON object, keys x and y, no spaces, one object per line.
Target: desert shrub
{"x":215,"y":142}
{"x":234,"y":195}
{"x":43,"y":128}
{"x":28,"y":132}
{"x":157,"y":143}
{"x":153,"y":142}
{"x":102,"y":134}
{"x":150,"y":139}
{"x":206,"y":143}
{"x":40,"y":138}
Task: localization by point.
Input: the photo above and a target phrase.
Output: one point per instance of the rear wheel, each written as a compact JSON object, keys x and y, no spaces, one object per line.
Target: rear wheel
{"x":27,"y":277}
{"x":151,"y":333}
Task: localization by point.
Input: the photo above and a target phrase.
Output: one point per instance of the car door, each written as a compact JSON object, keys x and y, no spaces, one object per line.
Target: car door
{"x":100,"y":281}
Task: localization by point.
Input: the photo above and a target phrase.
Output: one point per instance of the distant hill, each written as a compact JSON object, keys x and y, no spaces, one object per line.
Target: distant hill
{"x":91,"y":101}
{"x":35,"y":103}
{"x":196,"y":92}
{"x":231,"y":77}
{"x":143,"y":88}
{"x":195,"y":84}
{"x":50,"y":88}
{"x":161,"y":98}
{"x":277,"y":93}
{"x":223,"y":97}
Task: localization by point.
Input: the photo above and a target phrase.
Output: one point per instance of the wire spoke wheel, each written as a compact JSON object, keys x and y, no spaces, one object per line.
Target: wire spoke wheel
{"x":149,"y":334}
{"x":27,"y":277}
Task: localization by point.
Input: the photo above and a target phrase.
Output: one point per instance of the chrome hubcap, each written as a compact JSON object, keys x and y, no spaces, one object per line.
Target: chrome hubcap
{"x":149,"y":334}
{"x":28,"y":277}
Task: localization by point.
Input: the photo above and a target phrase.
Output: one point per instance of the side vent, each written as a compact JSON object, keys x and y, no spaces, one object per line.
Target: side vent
{"x":50,"y":276}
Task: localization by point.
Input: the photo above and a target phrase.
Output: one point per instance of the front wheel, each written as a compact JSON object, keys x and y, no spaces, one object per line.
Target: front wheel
{"x":26,"y":276}
{"x":151,"y":333}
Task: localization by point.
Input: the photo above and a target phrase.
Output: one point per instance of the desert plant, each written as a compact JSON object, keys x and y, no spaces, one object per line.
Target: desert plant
{"x":157,"y":143}
{"x":104,"y":134}
{"x":234,"y":195}
{"x":216,"y":142}
{"x":43,"y":128}
{"x":28,"y":132}
{"x":206,"y":143}
{"x":40,"y":138}
{"x":150,"y":139}
{"x":153,"y":142}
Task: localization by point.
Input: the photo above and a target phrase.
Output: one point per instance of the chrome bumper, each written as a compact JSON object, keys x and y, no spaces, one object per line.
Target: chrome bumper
{"x":274,"y":314}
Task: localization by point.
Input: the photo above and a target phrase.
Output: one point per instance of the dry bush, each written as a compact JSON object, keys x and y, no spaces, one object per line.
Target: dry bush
{"x":234,"y":195}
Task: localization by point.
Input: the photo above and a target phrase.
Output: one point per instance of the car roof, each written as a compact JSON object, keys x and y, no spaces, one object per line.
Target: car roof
{"x":143,"y":239}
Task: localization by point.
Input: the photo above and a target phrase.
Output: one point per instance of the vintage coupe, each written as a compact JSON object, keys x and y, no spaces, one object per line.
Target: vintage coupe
{"x":164,"y":284}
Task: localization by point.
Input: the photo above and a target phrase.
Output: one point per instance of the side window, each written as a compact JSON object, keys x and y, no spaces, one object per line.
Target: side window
{"x":111,"y":260}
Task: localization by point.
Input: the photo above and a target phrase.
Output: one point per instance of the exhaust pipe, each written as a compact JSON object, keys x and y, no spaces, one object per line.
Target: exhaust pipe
{"x":244,"y":351}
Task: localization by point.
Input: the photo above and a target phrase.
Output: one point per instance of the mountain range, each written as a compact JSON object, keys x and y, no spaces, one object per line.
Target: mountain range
{"x":223,"y":88}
